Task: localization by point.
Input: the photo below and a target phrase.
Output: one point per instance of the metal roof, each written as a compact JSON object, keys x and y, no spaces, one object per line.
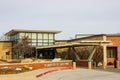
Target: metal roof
{"x":14,"y":31}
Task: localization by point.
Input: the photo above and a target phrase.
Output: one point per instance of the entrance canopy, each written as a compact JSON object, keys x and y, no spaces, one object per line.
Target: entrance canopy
{"x":84,"y":43}
{"x":81,"y":43}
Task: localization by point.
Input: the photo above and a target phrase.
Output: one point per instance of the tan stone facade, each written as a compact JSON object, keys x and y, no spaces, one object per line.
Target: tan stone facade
{"x":5,"y":50}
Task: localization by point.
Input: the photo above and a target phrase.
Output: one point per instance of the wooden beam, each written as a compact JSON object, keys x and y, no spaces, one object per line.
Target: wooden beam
{"x":76,"y":55}
{"x":91,"y":55}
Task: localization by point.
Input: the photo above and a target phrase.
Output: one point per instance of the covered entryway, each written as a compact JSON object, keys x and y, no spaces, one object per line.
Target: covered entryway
{"x":71,"y":47}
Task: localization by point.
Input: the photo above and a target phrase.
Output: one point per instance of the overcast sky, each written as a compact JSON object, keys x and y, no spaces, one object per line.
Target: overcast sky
{"x":69,"y":16}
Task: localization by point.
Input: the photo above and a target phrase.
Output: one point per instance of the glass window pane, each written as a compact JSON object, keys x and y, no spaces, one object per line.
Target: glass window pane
{"x":50,"y":44}
{"x":40,"y":40}
{"x":34,"y":40}
{"x":111,"y":52}
{"x":39,"y":36}
{"x":45,"y":36}
{"x":21,"y":35}
{"x":51,"y":36}
{"x":33,"y":44}
{"x":34,"y":36}
{"x":28,"y":34}
{"x":45,"y":44}
{"x":39,"y":44}
{"x":51,"y":40}
{"x":17,"y":36}
{"x":45,"y":40}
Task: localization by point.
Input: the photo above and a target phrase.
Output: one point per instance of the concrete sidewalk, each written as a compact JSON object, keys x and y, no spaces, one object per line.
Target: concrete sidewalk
{"x":78,"y":74}
{"x":31,"y":75}
{"x":82,"y":74}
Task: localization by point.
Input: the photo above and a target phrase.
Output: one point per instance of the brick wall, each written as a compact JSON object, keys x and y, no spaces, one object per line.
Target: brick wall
{"x":115,"y":40}
{"x":82,"y":63}
{"x":38,"y":65}
{"x":116,"y":43}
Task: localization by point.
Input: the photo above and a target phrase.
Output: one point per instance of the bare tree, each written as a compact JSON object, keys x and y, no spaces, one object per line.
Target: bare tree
{"x":23,"y":48}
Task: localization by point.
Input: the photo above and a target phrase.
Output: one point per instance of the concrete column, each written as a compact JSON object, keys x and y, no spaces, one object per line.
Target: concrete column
{"x":104,"y":38}
{"x":89,"y":65}
{"x":74,"y":65}
{"x":104,"y":56}
{"x":36,"y":53}
{"x":118,"y":64}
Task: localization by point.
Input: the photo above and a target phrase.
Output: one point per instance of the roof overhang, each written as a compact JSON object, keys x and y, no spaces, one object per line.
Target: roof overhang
{"x":81,"y":43}
{"x":14,"y":31}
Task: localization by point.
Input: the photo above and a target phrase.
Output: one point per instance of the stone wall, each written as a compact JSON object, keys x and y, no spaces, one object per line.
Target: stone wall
{"x":5,"y":48}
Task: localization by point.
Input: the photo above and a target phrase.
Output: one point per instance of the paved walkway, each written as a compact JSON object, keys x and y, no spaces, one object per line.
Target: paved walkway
{"x":78,"y":74}
{"x":82,"y":74}
{"x":31,"y":75}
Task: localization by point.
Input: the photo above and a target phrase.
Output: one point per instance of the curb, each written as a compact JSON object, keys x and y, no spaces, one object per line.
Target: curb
{"x":50,"y":71}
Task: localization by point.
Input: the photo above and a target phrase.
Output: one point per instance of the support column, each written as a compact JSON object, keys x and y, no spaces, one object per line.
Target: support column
{"x":74,"y":65}
{"x":56,"y":53}
{"x":104,"y":56}
{"x":89,"y":64}
{"x":36,"y":53}
{"x":118,"y":64}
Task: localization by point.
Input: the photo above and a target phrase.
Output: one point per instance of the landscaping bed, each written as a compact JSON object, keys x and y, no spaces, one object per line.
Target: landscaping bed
{"x":9,"y":70}
{"x":32,"y":64}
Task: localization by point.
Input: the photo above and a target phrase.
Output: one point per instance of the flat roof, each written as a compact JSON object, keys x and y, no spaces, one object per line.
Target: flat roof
{"x":86,"y":37}
{"x":94,"y":35}
{"x":81,"y":43}
{"x":14,"y":31}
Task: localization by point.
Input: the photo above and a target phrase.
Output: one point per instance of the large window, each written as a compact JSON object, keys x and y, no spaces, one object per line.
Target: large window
{"x":36,"y":39}
{"x":111,"y":52}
